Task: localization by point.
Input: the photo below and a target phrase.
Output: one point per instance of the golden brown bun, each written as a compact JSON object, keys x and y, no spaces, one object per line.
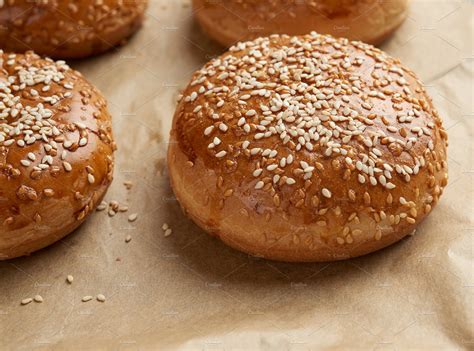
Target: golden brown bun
{"x":371,"y":21}
{"x":68,"y":29}
{"x":56,"y":152}
{"x":307,"y":149}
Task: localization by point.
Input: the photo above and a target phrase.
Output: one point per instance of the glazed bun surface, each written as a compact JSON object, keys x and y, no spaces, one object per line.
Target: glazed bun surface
{"x":371,"y":21}
{"x":68,"y":29}
{"x":307,"y":148}
{"x":56,"y":152}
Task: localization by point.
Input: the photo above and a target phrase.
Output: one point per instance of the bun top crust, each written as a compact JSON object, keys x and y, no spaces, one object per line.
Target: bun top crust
{"x":67,"y":29}
{"x":301,"y":125}
{"x":56,"y":147}
{"x":235,"y":20}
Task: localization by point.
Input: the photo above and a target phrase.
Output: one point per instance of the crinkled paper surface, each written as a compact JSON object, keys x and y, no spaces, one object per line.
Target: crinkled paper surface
{"x":188,"y":291}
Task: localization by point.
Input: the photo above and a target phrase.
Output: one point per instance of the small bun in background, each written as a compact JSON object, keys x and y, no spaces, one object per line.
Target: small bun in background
{"x":371,"y":21}
{"x":68,"y":29}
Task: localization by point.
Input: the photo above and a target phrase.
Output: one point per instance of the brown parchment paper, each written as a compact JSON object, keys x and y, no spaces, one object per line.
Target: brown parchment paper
{"x":188,"y":291}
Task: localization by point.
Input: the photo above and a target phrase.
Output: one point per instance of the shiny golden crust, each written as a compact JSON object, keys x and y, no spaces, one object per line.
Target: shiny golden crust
{"x":56,"y":152}
{"x":307,"y":149}
{"x":371,"y":21}
{"x":68,"y":29}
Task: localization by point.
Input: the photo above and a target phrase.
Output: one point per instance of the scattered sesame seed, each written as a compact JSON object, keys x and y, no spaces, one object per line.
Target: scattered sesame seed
{"x":102,"y":206}
{"x":86,"y":298}
{"x":133,"y":217}
{"x":70,"y":279}
{"x":26,"y":301}
{"x":101,"y":298}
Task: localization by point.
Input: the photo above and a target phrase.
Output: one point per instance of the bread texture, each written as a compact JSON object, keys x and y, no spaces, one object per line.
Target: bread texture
{"x":68,"y":29}
{"x":371,"y":21}
{"x":307,"y":148}
{"x":56,"y":152}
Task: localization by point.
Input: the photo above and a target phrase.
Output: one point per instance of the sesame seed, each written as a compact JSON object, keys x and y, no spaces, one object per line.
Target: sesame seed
{"x":100,"y":298}
{"x":102,"y":206}
{"x":86,"y":298}
{"x":208,"y":130}
{"x":250,"y":113}
{"x":38,"y":298}
{"x":70,"y":279}
{"x":80,"y":125}
{"x":326,"y":193}
{"x":82,"y":141}
{"x":26,"y":301}
{"x":67,"y":166}
{"x":133,"y":217}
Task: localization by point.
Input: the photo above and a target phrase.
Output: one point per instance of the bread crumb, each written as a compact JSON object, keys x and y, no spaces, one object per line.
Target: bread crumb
{"x":128,"y":184}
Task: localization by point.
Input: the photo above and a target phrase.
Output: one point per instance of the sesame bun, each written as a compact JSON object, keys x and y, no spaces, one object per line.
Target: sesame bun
{"x":307,"y":148}
{"x":68,"y":29}
{"x":56,"y":152}
{"x":371,"y":21}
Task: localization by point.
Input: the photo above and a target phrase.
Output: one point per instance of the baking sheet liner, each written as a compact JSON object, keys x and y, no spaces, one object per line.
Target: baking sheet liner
{"x":188,"y":291}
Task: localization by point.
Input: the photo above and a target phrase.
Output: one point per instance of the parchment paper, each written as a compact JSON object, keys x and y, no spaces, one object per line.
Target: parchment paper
{"x":188,"y":291}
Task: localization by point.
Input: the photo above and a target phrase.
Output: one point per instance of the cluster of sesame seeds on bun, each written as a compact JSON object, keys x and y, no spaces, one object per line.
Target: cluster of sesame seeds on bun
{"x":24,"y":124}
{"x":312,"y":99}
{"x":56,"y":147}
{"x":26,"y":117}
{"x":316,"y":123}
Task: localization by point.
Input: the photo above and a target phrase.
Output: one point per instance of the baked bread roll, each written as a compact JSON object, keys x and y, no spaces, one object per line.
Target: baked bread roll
{"x":56,"y":152}
{"x":231,"y":21}
{"x":307,"y":148}
{"x":68,"y":29}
